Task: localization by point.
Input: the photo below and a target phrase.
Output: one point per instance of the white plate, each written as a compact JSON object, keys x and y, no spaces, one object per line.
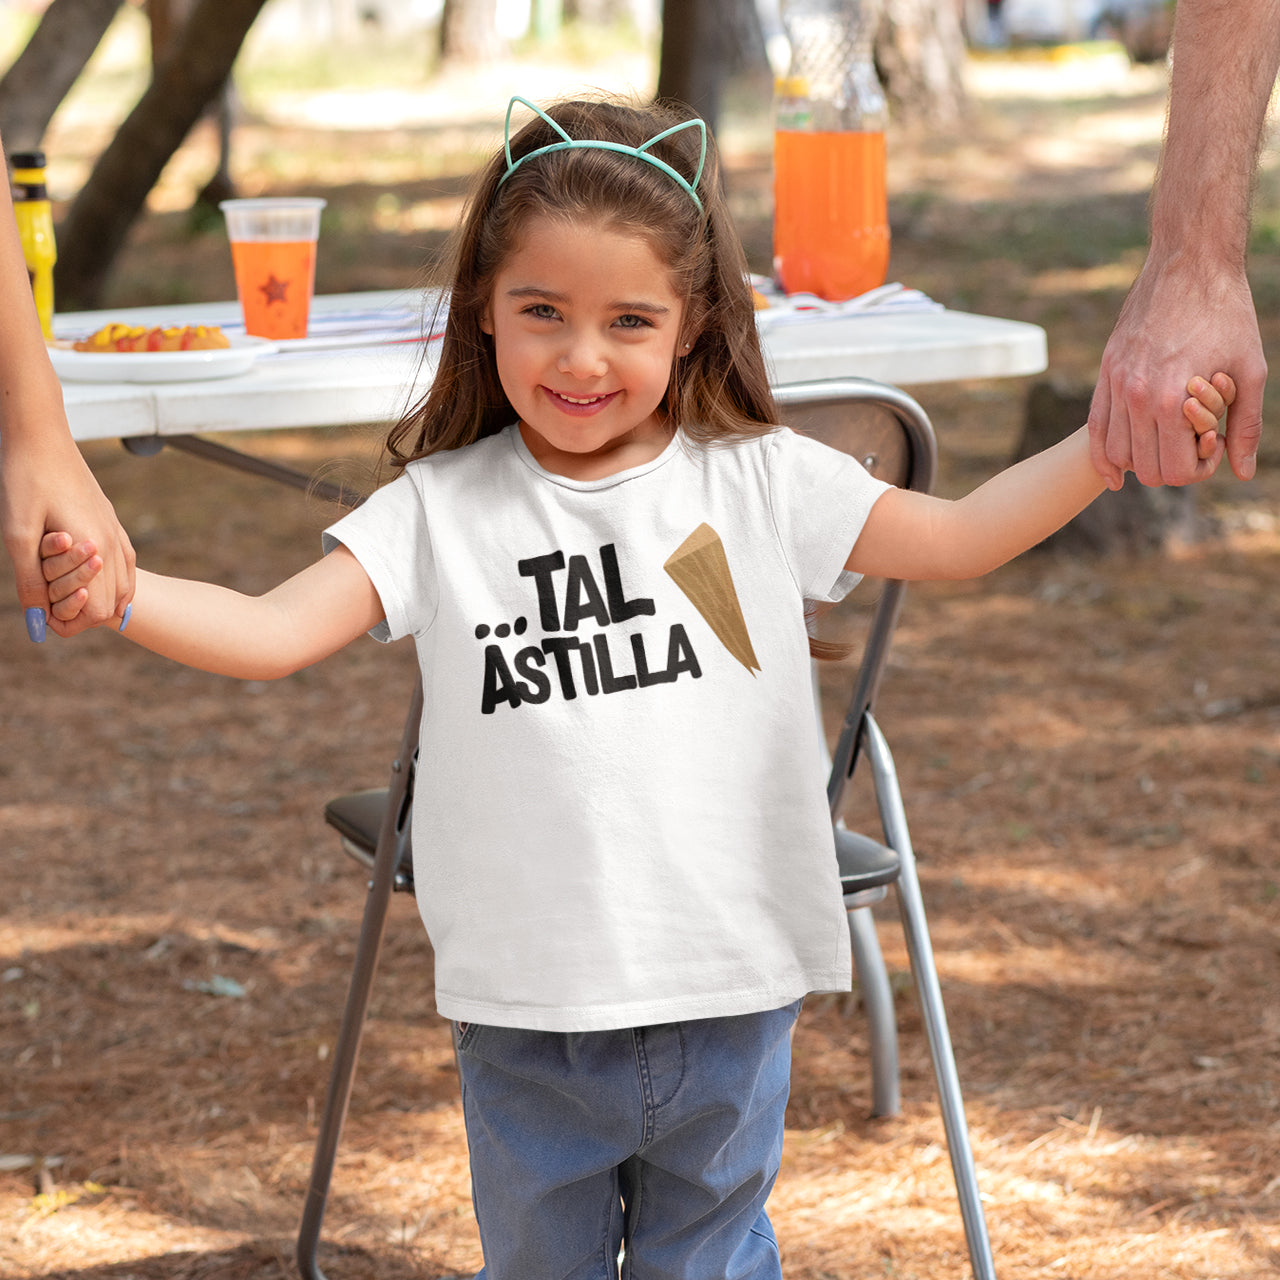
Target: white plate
{"x":158,"y":366}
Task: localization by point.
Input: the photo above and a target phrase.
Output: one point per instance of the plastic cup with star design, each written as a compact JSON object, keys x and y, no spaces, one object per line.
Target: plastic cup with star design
{"x":273,"y":251}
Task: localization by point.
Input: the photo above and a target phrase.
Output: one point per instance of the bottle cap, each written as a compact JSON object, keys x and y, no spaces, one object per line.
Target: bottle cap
{"x":791,"y":87}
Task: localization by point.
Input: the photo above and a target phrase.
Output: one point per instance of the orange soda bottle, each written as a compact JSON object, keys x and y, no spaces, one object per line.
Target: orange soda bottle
{"x":831,"y":222}
{"x":34,"y":216}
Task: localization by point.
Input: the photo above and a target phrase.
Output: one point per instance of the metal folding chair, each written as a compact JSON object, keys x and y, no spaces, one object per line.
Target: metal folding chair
{"x":891,"y":435}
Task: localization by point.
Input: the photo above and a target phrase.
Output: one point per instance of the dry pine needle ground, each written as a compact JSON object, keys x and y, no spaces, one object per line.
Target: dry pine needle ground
{"x":1089,"y":752}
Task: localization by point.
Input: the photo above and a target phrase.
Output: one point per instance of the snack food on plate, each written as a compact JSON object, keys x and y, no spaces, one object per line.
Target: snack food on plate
{"x":126,"y":337}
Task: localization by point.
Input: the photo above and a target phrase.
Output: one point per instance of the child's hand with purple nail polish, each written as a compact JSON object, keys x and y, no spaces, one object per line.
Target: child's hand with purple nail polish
{"x":69,"y":567}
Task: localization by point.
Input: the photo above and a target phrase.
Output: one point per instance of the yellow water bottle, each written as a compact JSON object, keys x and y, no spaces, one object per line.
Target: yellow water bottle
{"x":34,"y":215}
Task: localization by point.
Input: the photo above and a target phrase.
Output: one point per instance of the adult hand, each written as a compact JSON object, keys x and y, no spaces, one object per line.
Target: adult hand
{"x":50,"y":487}
{"x":45,"y":484}
{"x":1180,"y":319}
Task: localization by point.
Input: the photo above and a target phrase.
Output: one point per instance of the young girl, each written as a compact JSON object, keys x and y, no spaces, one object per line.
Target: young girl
{"x":602,"y":546}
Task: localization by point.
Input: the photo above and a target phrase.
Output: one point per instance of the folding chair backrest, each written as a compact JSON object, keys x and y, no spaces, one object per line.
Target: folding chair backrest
{"x":880,"y":425}
{"x":890,"y":434}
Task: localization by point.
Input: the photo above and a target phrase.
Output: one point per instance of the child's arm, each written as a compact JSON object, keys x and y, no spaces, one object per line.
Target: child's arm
{"x":916,"y":536}
{"x":308,"y":617}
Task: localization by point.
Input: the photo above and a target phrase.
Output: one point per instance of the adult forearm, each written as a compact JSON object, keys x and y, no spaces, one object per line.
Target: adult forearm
{"x":45,"y":484}
{"x":31,"y":412}
{"x":1225,"y":58}
{"x":1191,"y":307}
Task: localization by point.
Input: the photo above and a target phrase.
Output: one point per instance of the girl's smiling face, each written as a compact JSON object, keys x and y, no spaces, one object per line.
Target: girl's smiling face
{"x":585,"y":325}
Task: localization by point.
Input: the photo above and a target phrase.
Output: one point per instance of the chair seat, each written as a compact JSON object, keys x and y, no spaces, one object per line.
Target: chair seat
{"x":357,"y":817}
{"x":864,"y":863}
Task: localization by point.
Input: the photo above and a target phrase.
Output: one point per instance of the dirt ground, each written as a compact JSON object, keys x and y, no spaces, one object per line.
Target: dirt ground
{"x":1089,"y":751}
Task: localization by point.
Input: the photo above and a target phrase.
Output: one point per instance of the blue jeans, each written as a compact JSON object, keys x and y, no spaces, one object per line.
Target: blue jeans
{"x":663,"y":1140}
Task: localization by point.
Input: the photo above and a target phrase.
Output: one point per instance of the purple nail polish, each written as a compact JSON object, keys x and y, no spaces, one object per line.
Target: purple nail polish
{"x":36,"y":625}
{"x":128,"y":613}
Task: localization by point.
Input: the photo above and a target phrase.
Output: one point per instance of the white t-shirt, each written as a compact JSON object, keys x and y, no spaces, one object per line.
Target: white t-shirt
{"x":620,"y":815}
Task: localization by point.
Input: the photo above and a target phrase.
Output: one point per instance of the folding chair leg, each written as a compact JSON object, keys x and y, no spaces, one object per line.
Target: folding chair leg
{"x":894,"y":819}
{"x":877,"y":1001}
{"x":347,"y":1049}
{"x":873,"y":978}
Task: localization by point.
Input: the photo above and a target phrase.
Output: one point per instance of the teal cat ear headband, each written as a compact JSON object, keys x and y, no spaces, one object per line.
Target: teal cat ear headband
{"x":582,"y":144}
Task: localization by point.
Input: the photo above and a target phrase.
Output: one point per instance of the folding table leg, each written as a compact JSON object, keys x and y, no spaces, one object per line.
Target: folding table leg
{"x":390,"y":846}
{"x":920,"y":950}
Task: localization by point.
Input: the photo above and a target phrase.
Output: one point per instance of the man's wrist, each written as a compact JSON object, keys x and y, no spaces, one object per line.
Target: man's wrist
{"x":1194,"y":255}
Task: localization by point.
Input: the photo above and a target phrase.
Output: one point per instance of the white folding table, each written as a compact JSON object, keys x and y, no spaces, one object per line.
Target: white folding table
{"x":367,"y":381}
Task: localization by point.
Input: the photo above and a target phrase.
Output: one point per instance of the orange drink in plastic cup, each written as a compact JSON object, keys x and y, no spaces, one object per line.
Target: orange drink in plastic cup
{"x":273,"y":251}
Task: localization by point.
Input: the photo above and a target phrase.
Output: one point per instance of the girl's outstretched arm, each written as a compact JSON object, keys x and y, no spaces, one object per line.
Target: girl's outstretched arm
{"x":311,"y":615}
{"x":306,"y":618}
{"x":916,"y":536}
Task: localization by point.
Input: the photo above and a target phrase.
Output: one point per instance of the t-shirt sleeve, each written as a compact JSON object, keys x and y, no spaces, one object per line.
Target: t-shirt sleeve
{"x":390,"y":536}
{"x":820,"y":499}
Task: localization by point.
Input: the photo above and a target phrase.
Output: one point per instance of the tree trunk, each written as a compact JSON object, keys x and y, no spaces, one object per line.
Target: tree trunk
{"x":43,"y":73}
{"x":704,"y":42}
{"x":166,"y":19}
{"x":190,"y":76}
{"x":469,"y":32}
{"x":920,"y":57}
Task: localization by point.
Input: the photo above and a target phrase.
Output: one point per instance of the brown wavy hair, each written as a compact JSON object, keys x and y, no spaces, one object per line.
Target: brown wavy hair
{"x":719,"y":390}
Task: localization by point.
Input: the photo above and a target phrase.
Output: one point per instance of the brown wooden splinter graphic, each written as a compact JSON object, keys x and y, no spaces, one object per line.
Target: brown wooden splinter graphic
{"x":700,"y":568}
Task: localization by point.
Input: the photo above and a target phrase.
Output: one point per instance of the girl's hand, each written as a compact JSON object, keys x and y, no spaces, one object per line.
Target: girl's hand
{"x":1204,"y":409}
{"x":69,"y":567}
